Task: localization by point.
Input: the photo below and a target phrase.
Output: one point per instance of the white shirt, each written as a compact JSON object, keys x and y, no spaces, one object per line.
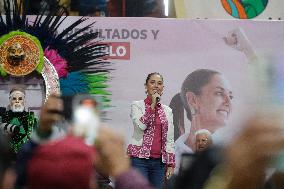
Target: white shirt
{"x":180,"y":148}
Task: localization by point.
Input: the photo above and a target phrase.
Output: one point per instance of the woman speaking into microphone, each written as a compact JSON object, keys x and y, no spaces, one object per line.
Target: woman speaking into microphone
{"x":152,"y":145}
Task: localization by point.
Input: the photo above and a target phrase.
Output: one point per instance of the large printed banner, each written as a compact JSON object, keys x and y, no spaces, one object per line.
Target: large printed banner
{"x":175,"y":49}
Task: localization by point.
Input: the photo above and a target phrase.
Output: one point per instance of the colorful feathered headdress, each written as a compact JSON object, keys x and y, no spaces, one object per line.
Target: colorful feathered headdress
{"x":69,"y":63}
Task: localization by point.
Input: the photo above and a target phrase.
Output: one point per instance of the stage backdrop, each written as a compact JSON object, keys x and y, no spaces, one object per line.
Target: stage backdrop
{"x":175,"y":48}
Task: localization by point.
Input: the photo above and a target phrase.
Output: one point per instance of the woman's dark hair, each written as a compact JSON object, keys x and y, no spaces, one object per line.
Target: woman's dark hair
{"x":178,"y":114}
{"x":154,"y":73}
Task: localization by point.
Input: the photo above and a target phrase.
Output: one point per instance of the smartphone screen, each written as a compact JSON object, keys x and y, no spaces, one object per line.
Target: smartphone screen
{"x":186,"y":161}
{"x":70,"y":103}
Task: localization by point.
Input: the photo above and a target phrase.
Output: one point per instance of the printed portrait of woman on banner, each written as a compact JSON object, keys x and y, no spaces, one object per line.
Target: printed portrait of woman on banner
{"x":206,"y":97}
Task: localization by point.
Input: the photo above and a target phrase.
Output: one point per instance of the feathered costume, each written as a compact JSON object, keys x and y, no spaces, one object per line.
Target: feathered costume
{"x":69,"y":63}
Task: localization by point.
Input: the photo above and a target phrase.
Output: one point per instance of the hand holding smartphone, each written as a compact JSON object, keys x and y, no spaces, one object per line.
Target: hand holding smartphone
{"x":269,"y":78}
{"x":81,"y":114}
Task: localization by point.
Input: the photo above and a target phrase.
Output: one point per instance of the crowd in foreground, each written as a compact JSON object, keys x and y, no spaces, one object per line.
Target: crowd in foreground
{"x":55,"y":160}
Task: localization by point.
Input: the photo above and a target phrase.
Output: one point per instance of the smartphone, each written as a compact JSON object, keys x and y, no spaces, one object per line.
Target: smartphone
{"x":71,"y":103}
{"x":186,"y":161}
{"x":83,"y":113}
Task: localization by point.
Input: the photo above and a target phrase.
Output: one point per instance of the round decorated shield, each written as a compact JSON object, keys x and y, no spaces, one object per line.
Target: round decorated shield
{"x":20,"y":53}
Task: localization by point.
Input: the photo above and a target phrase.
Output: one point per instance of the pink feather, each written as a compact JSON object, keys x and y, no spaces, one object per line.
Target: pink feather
{"x":59,"y":63}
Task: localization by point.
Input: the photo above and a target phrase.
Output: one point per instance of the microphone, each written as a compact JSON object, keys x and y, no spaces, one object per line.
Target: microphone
{"x":158,"y":101}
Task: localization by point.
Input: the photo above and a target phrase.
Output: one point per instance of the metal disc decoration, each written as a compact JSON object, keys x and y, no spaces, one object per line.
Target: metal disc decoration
{"x":20,"y":53}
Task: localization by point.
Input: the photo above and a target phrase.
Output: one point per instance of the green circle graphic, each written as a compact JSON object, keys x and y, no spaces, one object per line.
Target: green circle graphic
{"x":244,"y":9}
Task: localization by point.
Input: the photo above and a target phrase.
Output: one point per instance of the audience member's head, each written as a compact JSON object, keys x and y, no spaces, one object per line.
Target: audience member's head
{"x":66,"y":163}
{"x":203,"y":140}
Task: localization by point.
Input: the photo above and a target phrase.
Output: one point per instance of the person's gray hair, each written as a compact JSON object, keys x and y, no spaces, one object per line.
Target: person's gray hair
{"x":203,"y":131}
{"x":20,"y":89}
